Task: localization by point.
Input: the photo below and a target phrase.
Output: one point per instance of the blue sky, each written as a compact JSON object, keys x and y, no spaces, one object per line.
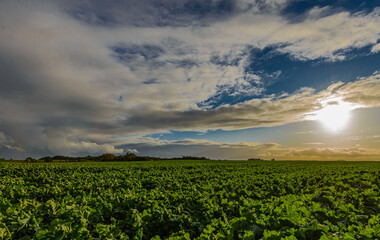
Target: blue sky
{"x":225,"y":79}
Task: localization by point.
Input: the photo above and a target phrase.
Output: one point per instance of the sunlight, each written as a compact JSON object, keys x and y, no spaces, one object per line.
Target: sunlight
{"x":334,"y":117}
{"x":335,"y":114}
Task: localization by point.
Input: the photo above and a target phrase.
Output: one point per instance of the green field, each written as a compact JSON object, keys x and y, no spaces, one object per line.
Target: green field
{"x":190,"y":200}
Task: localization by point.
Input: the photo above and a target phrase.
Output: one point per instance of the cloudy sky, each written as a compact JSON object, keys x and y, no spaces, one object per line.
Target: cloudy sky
{"x":225,"y":79}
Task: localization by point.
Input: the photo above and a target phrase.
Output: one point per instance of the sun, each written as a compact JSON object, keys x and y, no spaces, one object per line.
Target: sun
{"x":334,"y":117}
{"x":334,"y":114}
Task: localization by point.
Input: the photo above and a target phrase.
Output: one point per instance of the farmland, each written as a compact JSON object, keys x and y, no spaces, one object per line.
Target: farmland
{"x":190,"y":200}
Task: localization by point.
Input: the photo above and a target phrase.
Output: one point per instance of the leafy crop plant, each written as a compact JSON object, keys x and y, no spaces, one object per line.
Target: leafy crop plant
{"x":190,"y":200}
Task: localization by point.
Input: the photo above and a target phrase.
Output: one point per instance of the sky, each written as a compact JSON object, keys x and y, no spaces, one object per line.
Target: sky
{"x":224,"y":79}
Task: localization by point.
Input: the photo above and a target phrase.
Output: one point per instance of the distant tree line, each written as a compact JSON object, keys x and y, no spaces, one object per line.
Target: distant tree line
{"x":258,"y":159}
{"x":193,"y":158}
{"x":107,"y":157}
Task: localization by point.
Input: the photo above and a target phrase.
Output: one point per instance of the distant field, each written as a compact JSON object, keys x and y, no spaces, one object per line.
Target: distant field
{"x":190,"y":200}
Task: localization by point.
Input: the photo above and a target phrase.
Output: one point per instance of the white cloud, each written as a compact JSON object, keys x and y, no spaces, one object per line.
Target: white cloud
{"x":375,"y":48}
{"x":133,"y":151}
{"x":338,"y":32}
{"x":72,"y":147}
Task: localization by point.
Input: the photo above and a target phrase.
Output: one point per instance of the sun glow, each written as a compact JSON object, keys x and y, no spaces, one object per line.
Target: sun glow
{"x":335,"y":114}
{"x":334,"y":117}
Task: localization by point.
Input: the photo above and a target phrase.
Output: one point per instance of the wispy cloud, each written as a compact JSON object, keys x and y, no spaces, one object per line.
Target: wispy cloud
{"x":365,"y":91}
{"x":314,"y":143}
{"x":354,"y":138}
{"x":374,"y":136}
{"x":376,"y":48}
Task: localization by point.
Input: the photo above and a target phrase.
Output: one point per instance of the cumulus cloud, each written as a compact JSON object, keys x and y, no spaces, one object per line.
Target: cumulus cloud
{"x":135,"y":151}
{"x":65,"y":146}
{"x":75,"y":71}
